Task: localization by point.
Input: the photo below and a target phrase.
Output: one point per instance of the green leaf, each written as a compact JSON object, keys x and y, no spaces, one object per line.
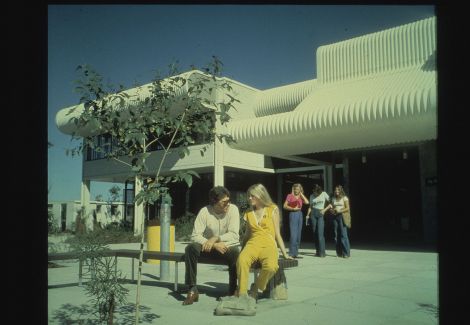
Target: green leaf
{"x":193,"y":173}
{"x":145,"y":155}
{"x":188,"y":179}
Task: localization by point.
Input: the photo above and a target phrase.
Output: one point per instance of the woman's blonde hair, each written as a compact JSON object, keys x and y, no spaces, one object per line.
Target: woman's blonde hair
{"x":259,"y":191}
{"x":299,"y":186}
{"x":340,"y":190}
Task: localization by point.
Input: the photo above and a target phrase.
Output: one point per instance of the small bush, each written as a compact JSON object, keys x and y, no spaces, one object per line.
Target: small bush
{"x":52,"y":226}
{"x":111,"y":234}
{"x":103,"y":286}
{"x":114,"y":234}
{"x":184,"y":226}
{"x":80,"y":226}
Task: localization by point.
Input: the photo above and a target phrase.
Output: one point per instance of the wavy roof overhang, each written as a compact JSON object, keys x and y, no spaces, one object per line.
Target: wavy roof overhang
{"x":135,"y":97}
{"x":282,"y":99}
{"x":384,"y":110}
{"x":374,"y":90}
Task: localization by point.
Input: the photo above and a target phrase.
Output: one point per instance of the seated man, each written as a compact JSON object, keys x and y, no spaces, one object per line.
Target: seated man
{"x":215,"y":234}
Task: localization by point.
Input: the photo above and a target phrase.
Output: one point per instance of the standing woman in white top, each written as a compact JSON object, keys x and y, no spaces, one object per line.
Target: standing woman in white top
{"x":316,"y":210}
{"x":340,"y":204}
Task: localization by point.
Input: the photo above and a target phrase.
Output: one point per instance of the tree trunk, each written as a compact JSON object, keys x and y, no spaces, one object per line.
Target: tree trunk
{"x":111,"y":310}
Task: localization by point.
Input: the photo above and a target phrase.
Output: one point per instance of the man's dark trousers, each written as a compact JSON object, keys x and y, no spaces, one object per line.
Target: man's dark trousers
{"x":192,"y":253}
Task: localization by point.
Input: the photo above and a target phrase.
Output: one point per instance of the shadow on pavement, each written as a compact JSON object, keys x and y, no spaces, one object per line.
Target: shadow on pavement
{"x":378,"y":244}
{"x":71,"y":314}
{"x":397,"y":246}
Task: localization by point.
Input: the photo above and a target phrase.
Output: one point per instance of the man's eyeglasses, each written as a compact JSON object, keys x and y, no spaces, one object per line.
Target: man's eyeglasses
{"x":224,"y":202}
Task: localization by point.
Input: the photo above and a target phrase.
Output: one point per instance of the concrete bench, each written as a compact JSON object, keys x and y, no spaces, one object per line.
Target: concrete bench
{"x":163,"y":256}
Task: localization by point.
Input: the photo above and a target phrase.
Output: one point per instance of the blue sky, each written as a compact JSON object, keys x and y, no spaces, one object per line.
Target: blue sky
{"x":263,"y":46}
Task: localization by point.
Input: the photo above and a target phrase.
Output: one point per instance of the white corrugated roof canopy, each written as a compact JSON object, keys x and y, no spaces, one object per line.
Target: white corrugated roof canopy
{"x":374,"y":90}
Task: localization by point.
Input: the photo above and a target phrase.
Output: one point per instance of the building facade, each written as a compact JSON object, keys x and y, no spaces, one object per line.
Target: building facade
{"x":103,"y":213}
{"x":368,"y":121}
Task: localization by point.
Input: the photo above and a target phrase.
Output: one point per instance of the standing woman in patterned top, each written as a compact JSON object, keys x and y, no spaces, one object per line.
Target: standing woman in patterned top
{"x":259,"y":242}
{"x":293,"y":204}
{"x":316,"y":211}
{"x":340,"y":204}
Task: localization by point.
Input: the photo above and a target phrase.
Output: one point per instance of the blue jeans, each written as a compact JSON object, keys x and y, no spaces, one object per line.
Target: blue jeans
{"x":341,"y":236}
{"x":295,"y":224}
{"x":318,"y":227}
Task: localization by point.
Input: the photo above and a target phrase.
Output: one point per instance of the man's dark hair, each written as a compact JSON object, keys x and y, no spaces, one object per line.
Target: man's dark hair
{"x":217,"y":193}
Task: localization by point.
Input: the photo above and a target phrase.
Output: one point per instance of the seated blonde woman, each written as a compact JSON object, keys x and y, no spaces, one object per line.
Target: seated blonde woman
{"x":259,"y":243}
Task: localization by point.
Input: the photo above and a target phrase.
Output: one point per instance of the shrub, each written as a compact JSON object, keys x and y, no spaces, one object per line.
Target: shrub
{"x":111,"y":234}
{"x":80,"y":226}
{"x":114,"y":234}
{"x":184,"y":226}
{"x":103,"y":286}
{"x":52,"y":226}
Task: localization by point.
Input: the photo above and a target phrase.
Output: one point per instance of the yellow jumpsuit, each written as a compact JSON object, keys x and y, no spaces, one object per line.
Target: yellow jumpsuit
{"x":261,"y":246}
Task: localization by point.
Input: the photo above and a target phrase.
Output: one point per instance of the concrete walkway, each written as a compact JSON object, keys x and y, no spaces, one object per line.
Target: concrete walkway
{"x":374,"y":286}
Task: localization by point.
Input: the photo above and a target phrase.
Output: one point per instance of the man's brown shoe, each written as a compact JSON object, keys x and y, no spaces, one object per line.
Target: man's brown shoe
{"x":192,"y":297}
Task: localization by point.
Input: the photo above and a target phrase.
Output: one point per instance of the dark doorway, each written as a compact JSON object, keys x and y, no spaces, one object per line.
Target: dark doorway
{"x":385,"y":196}
{"x":63,"y":217}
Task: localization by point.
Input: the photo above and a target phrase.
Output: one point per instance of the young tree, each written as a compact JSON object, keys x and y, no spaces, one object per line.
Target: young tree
{"x":103,"y":286}
{"x":173,"y":111}
{"x":114,"y":194}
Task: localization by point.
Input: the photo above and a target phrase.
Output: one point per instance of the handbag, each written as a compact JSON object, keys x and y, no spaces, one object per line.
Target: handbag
{"x":347,"y":219}
{"x":238,"y":306}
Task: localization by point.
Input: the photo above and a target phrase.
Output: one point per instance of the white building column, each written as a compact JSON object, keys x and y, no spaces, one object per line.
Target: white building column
{"x":85,"y":194}
{"x":85,"y":203}
{"x":138,"y":209}
{"x":56,"y":210}
{"x":218,"y":160}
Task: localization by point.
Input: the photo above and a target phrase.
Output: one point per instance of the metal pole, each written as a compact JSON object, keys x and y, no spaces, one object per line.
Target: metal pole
{"x":165,"y":217}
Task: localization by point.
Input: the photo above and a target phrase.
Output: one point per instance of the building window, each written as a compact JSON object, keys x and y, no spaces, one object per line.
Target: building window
{"x":103,"y":145}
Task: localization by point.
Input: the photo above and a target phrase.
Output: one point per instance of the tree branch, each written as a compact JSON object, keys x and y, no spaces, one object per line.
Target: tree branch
{"x":122,"y":161}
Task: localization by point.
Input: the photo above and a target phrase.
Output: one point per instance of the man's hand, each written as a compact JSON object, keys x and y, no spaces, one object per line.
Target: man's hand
{"x":208,"y":245}
{"x":220,"y":247}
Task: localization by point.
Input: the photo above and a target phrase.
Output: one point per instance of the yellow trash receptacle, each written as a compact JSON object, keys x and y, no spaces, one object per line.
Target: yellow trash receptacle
{"x":153,"y":241}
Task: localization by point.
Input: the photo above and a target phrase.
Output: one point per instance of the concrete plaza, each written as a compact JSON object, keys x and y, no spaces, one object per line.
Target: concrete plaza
{"x":374,"y":286}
